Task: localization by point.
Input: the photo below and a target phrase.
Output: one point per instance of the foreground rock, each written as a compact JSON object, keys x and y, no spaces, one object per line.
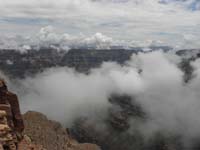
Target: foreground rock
{"x":50,"y":134}
{"x":26,"y":144}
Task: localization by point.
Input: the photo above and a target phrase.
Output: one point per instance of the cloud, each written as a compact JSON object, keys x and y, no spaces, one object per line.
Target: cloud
{"x":71,"y":94}
{"x":49,"y":38}
{"x":188,"y":4}
{"x":152,"y":79}
{"x":128,"y":20}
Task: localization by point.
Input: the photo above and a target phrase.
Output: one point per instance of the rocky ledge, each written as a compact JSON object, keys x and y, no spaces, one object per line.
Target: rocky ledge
{"x":50,"y":134}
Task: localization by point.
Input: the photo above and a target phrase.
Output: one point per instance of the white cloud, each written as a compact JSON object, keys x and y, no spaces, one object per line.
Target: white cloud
{"x":121,"y":19}
{"x":170,"y":104}
{"x":48,"y":37}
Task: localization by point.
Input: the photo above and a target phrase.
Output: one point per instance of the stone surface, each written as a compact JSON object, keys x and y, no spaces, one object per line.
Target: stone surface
{"x":50,"y":134}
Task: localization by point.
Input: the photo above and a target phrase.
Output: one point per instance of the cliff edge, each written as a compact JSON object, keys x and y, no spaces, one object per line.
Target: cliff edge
{"x":50,"y":134}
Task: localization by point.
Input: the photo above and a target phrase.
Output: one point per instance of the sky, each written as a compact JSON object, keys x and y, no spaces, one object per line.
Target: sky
{"x":136,"y":22}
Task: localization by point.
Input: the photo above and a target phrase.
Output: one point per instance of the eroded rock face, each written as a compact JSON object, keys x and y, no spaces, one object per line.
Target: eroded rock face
{"x":45,"y":132}
{"x":26,"y":144}
{"x":50,"y":134}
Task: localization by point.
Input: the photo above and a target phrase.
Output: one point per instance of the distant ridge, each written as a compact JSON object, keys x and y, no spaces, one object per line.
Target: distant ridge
{"x":18,"y":65}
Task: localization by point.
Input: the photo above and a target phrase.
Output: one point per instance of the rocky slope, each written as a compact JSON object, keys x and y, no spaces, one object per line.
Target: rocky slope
{"x":50,"y":134}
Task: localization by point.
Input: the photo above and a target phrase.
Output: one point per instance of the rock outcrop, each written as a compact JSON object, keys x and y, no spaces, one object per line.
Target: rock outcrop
{"x":50,"y":134}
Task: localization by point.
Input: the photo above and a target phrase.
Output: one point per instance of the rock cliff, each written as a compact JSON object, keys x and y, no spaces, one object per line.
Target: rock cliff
{"x":50,"y":134}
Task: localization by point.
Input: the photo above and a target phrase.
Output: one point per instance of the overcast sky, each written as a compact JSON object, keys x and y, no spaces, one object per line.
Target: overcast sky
{"x":174,"y":22}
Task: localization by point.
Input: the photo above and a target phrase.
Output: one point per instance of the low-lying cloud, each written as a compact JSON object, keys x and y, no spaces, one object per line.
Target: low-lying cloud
{"x":153,"y":79}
